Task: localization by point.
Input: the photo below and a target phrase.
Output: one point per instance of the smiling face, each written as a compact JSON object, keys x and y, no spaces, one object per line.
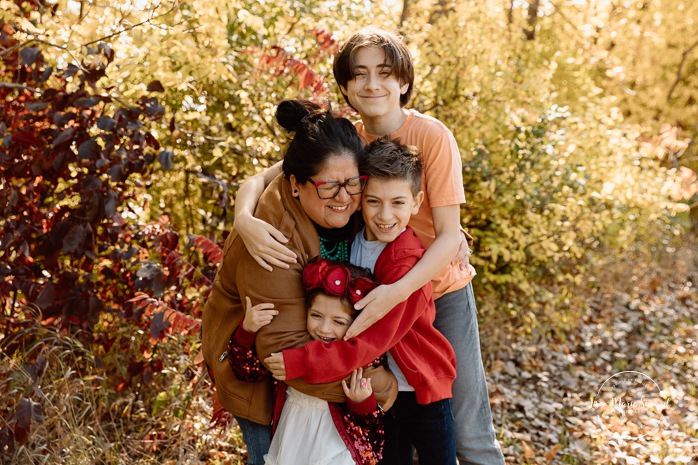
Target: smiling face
{"x":375,"y":90}
{"x":387,"y":206}
{"x":334,"y":212}
{"x":329,"y":317}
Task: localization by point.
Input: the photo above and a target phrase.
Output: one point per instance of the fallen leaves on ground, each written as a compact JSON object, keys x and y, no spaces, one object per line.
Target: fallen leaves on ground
{"x":546,"y":394}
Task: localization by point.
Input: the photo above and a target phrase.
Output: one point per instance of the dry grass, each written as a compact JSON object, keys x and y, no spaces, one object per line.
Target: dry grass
{"x":86,"y":421}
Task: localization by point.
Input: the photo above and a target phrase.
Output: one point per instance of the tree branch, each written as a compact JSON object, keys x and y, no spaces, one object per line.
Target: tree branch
{"x":580,"y":35}
{"x":27,"y":42}
{"x":404,"y":14}
{"x":684,"y":55}
{"x":20,"y":86}
{"x":175,"y":4}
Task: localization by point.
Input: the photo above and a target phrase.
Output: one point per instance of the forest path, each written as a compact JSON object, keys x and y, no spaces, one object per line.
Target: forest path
{"x":620,"y":388}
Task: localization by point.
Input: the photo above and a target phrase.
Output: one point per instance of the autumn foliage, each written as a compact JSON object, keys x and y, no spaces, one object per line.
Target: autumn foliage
{"x":73,"y":255}
{"x":125,"y":132}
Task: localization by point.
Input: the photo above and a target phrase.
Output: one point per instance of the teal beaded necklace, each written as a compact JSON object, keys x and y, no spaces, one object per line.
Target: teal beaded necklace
{"x":334,"y":250}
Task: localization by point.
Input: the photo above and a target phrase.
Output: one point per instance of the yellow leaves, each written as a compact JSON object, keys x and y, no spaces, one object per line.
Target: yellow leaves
{"x":254,"y":22}
{"x":217,"y":153}
{"x":8,"y":7}
{"x":492,"y":186}
{"x":528,"y":451}
{"x":27,"y":26}
{"x":550,"y":455}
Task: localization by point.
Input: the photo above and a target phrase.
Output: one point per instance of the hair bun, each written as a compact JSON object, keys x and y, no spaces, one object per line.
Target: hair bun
{"x":290,"y":113}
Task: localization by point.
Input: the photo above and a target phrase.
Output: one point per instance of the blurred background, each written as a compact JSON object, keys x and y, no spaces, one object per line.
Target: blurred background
{"x":127,"y":128}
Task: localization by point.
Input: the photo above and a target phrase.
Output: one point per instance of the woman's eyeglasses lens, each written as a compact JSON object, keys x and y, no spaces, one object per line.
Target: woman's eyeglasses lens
{"x":328,"y":190}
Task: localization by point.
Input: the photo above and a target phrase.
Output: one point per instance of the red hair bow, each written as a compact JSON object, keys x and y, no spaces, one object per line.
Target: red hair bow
{"x":336,"y":280}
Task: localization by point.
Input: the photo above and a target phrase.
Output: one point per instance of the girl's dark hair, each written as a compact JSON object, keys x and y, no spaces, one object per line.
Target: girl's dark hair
{"x":318,"y":136}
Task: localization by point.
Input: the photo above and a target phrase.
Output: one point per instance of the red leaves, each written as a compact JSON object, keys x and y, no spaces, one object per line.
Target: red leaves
{"x":89,"y":149}
{"x":72,"y":242}
{"x":150,"y":276}
{"x":212,"y":252}
{"x":325,"y":40}
{"x":165,"y":320}
{"x":68,"y":153}
{"x":7,"y":440}
{"x":307,"y":77}
{"x":86,"y":102}
{"x":71,"y":159}
{"x":165,"y":158}
{"x":29,"y":55}
{"x":46,"y":296}
{"x":36,"y":369}
{"x":155,"y":86}
{"x":280,"y":62}
{"x":170,"y":321}
{"x":25,"y":138}
{"x":152,"y":107}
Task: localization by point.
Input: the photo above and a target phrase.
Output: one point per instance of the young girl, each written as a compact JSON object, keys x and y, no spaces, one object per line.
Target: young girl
{"x":307,"y":429}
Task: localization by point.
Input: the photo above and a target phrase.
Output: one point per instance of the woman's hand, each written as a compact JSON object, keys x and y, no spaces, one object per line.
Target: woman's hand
{"x":359,"y":388}
{"x":275,"y":364}
{"x":373,"y":307}
{"x":264,"y":242}
{"x":258,"y":316}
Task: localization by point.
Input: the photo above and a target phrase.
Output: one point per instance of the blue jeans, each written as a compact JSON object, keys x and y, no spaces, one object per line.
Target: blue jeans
{"x":429,"y":428}
{"x":257,"y":438}
{"x":456,"y":318}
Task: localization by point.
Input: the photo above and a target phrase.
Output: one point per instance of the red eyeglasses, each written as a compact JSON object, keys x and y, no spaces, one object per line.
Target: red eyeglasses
{"x":330,"y":189}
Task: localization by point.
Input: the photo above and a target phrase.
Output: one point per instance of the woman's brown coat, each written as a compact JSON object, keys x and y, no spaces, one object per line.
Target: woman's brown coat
{"x":239,"y":276}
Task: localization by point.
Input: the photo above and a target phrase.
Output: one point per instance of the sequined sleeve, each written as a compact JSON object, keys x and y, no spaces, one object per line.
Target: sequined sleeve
{"x":367,"y":430}
{"x":243,"y":359}
{"x":367,"y":433}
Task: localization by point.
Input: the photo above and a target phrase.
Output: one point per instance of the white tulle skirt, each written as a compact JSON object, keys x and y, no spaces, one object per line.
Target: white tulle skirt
{"x":306,"y":434}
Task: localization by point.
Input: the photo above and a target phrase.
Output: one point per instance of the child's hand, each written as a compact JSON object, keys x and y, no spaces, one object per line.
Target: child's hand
{"x":462,"y":257}
{"x":360,"y":388}
{"x":276,"y":366}
{"x":257,"y":316}
{"x":375,"y":305}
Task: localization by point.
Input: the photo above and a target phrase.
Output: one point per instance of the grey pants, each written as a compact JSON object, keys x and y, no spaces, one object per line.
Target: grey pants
{"x":456,"y":318}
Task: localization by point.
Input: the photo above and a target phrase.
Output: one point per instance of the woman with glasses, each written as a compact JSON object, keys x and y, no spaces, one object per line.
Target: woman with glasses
{"x":312,"y":203}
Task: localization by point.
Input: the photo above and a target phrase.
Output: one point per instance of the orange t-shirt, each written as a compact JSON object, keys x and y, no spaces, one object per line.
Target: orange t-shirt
{"x":442,"y":183}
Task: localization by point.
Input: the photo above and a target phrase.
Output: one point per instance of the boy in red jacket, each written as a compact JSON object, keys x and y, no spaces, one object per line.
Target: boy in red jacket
{"x":421,"y":358}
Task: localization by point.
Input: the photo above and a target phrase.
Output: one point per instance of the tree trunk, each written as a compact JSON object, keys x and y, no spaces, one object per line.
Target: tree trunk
{"x":405,"y":13}
{"x":530,"y":33}
{"x":442,"y":8}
